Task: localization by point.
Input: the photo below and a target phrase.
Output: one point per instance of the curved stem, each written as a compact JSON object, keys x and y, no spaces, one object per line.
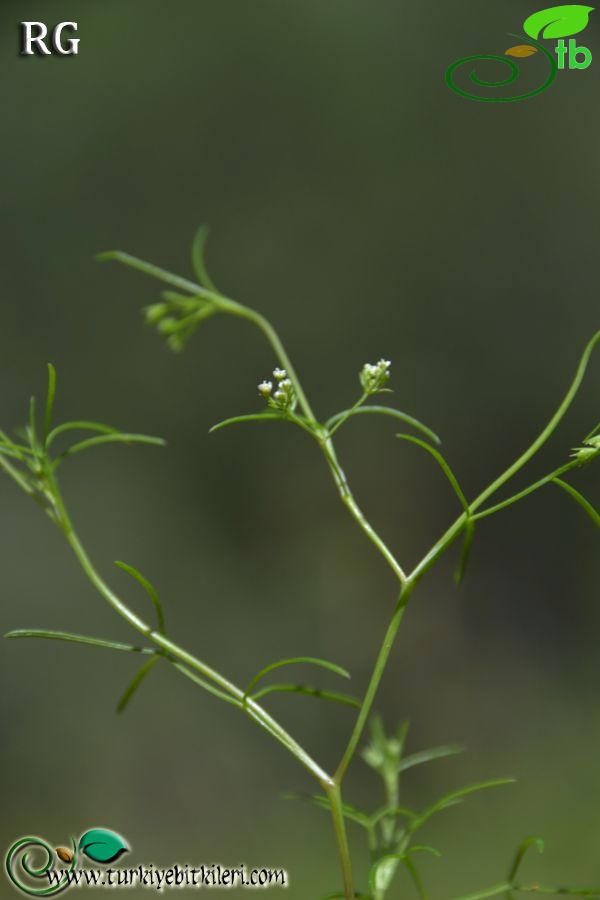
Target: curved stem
{"x":274,"y":340}
{"x":254,"y":710}
{"x":454,"y":530}
{"x":349,"y":501}
{"x":322,"y":437}
{"x":548,"y":430}
{"x":374,"y":682}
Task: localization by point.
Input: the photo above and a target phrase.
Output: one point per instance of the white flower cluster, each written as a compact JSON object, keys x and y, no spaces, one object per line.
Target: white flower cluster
{"x":589,"y":451}
{"x":284,"y":397}
{"x":374,"y":376}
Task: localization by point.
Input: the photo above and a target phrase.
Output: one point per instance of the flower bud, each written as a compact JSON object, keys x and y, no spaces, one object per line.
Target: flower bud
{"x":169,"y":325}
{"x":155,"y":313}
{"x":373,"y":377}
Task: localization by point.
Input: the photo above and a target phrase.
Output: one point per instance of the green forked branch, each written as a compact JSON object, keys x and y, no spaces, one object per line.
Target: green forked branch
{"x":31,"y":462}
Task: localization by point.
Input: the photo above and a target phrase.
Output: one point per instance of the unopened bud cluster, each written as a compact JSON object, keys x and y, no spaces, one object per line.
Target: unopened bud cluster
{"x":589,"y":451}
{"x":375,"y":376}
{"x":177,"y":317}
{"x":281,"y":394}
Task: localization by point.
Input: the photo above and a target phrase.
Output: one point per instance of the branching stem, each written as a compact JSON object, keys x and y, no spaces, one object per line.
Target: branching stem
{"x":209,"y":301}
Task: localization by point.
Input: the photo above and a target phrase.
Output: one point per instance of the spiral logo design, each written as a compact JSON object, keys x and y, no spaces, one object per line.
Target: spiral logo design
{"x":514,"y":74}
{"x":24,"y":872}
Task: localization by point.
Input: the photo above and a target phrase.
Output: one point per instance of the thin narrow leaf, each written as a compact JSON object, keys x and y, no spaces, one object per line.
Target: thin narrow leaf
{"x":384,"y":411}
{"x":32,"y":427}
{"x":292,"y":661}
{"x":118,"y":438}
{"x":153,"y":271}
{"x":592,"y":433}
{"x":80,"y":426}
{"x":521,"y":851}
{"x":465,"y":552}
{"x":580,"y":499}
{"x":493,"y":891}
{"x":425,"y":756}
{"x":49,"y":401}
{"x":352,"y":813}
{"x":134,"y":684}
{"x":206,"y":685}
{"x":395,"y":811}
{"x":13,"y":453}
{"x":253,"y":417}
{"x":416,"y":877}
{"x":469,"y":527}
{"x":307,"y":690}
{"x":76,"y":639}
{"x":17,"y":448}
{"x":198,"y":260}
{"x":148,"y":587}
{"x":18,"y":478}
{"x":394,"y":858}
{"x":443,"y":465}
{"x":455,"y":797}
{"x":422,"y":848}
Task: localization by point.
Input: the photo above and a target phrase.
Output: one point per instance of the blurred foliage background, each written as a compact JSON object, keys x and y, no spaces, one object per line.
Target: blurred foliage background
{"x":369,"y":212}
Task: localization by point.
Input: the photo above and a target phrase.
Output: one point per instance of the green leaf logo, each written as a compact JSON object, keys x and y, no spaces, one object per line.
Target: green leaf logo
{"x":101,"y":845}
{"x":558,"y":21}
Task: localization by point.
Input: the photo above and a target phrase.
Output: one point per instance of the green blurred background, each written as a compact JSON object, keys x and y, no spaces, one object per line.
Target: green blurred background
{"x":369,"y":212}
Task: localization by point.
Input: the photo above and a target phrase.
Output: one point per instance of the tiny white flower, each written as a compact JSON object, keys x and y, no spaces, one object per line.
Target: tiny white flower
{"x":374,"y":376}
{"x":279,"y":374}
{"x":265,"y":388}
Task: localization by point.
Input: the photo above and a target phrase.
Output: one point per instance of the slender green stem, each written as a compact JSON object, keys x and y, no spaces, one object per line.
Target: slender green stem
{"x":457,"y":526}
{"x":408,"y":582}
{"x":528,"y":490}
{"x":349,"y":501}
{"x":347,"y":414}
{"x":547,"y":431}
{"x":339,"y":826}
{"x":375,"y":680}
{"x":322,"y":437}
{"x":254,"y":710}
{"x":273,"y":338}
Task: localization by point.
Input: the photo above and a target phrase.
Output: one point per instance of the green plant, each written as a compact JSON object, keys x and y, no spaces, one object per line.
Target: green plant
{"x":31,"y":461}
